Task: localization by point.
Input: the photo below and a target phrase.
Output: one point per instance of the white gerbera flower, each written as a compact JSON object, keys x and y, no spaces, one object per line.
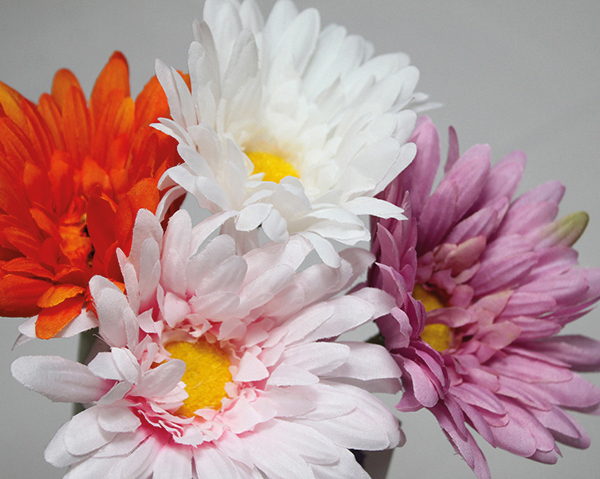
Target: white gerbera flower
{"x":293,"y":127}
{"x":221,"y":366}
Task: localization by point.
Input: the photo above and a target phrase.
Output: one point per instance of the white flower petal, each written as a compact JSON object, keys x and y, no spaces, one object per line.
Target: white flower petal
{"x":349,"y":313}
{"x":172,"y":462}
{"x":123,"y":444}
{"x":210,"y":462}
{"x":56,"y":452}
{"x":251,"y":369}
{"x":117,"y":392}
{"x":252,"y":216}
{"x":160,"y":380}
{"x":127,"y":364}
{"x":288,"y":402}
{"x":117,"y":419}
{"x":286,"y":375}
{"x":92,"y":467}
{"x":104,"y":366}
{"x":137,"y":464}
{"x":366,"y":362}
{"x":324,"y":249}
{"x":318,"y":358}
{"x":59,"y":379}
{"x":84,"y":433}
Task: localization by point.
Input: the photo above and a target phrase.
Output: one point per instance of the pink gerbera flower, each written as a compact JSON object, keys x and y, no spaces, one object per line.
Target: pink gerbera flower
{"x":483,"y":285}
{"x":221,"y":366}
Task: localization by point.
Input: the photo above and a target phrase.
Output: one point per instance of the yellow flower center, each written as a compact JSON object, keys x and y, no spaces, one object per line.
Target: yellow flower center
{"x":206,"y":374}
{"x":429,"y":299}
{"x":273,"y":166}
{"x":438,"y":336}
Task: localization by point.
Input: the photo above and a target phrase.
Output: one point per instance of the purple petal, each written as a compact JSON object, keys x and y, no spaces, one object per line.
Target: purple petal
{"x":528,"y":304}
{"x":565,"y":289}
{"x":503,"y":180}
{"x":453,"y":149}
{"x":454,"y":196}
{"x":418,"y":177}
{"x":529,"y":369}
{"x":481,"y":223}
{"x":463,"y":443}
{"x":502,"y":272}
{"x":526,"y":218}
{"x":552,"y":192}
{"x":564,"y":428}
{"x":580,"y":352}
{"x":524,"y":435}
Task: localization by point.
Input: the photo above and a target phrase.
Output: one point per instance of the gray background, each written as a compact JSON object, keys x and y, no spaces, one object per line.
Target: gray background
{"x":516,"y":75}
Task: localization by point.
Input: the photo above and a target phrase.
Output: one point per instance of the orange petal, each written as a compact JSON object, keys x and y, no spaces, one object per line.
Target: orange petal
{"x":76,"y":126}
{"x":15,"y":143}
{"x":51,"y":114}
{"x":145,"y":195}
{"x":19,"y":295}
{"x":101,"y":223}
{"x":58,"y":293}
{"x":37,"y":185}
{"x":61,"y":177}
{"x":72,"y":275}
{"x":92,"y":176}
{"x":123,"y":122}
{"x":111,"y":266}
{"x":10,"y":101}
{"x":38,"y":132}
{"x":50,"y":254}
{"x":27,"y":267}
{"x":150,"y":104}
{"x":144,"y":153}
{"x":63,"y":81}
{"x":116,"y":121}
{"x":45,"y":224}
{"x":8,"y":254}
{"x":12,"y":192}
{"x":25,"y":241}
{"x":120,"y":172}
{"x":51,"y":321}
{"x":114,"y":76}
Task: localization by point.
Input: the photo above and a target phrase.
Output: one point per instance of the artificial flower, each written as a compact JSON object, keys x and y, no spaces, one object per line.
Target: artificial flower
{"x":72,"y":177}
{"x":221,"y":365}
{"x":293,"y":127}
{"x":483,"y":285}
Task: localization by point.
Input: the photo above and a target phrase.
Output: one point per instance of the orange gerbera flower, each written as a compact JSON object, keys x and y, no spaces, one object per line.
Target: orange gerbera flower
{"x":72,"y":177}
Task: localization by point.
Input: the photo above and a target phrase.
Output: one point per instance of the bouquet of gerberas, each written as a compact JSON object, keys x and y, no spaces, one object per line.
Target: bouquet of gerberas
{"x":212,"y":349}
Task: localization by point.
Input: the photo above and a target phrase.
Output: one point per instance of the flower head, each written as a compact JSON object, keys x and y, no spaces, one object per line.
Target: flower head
{"x":222,"y":365}
{"x":483,"y":284}
{"x":293,"y":127}
{"x":73,"y":176}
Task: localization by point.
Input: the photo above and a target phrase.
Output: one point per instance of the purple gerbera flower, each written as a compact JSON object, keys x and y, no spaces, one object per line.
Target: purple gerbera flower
{"x":483,"y":285}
